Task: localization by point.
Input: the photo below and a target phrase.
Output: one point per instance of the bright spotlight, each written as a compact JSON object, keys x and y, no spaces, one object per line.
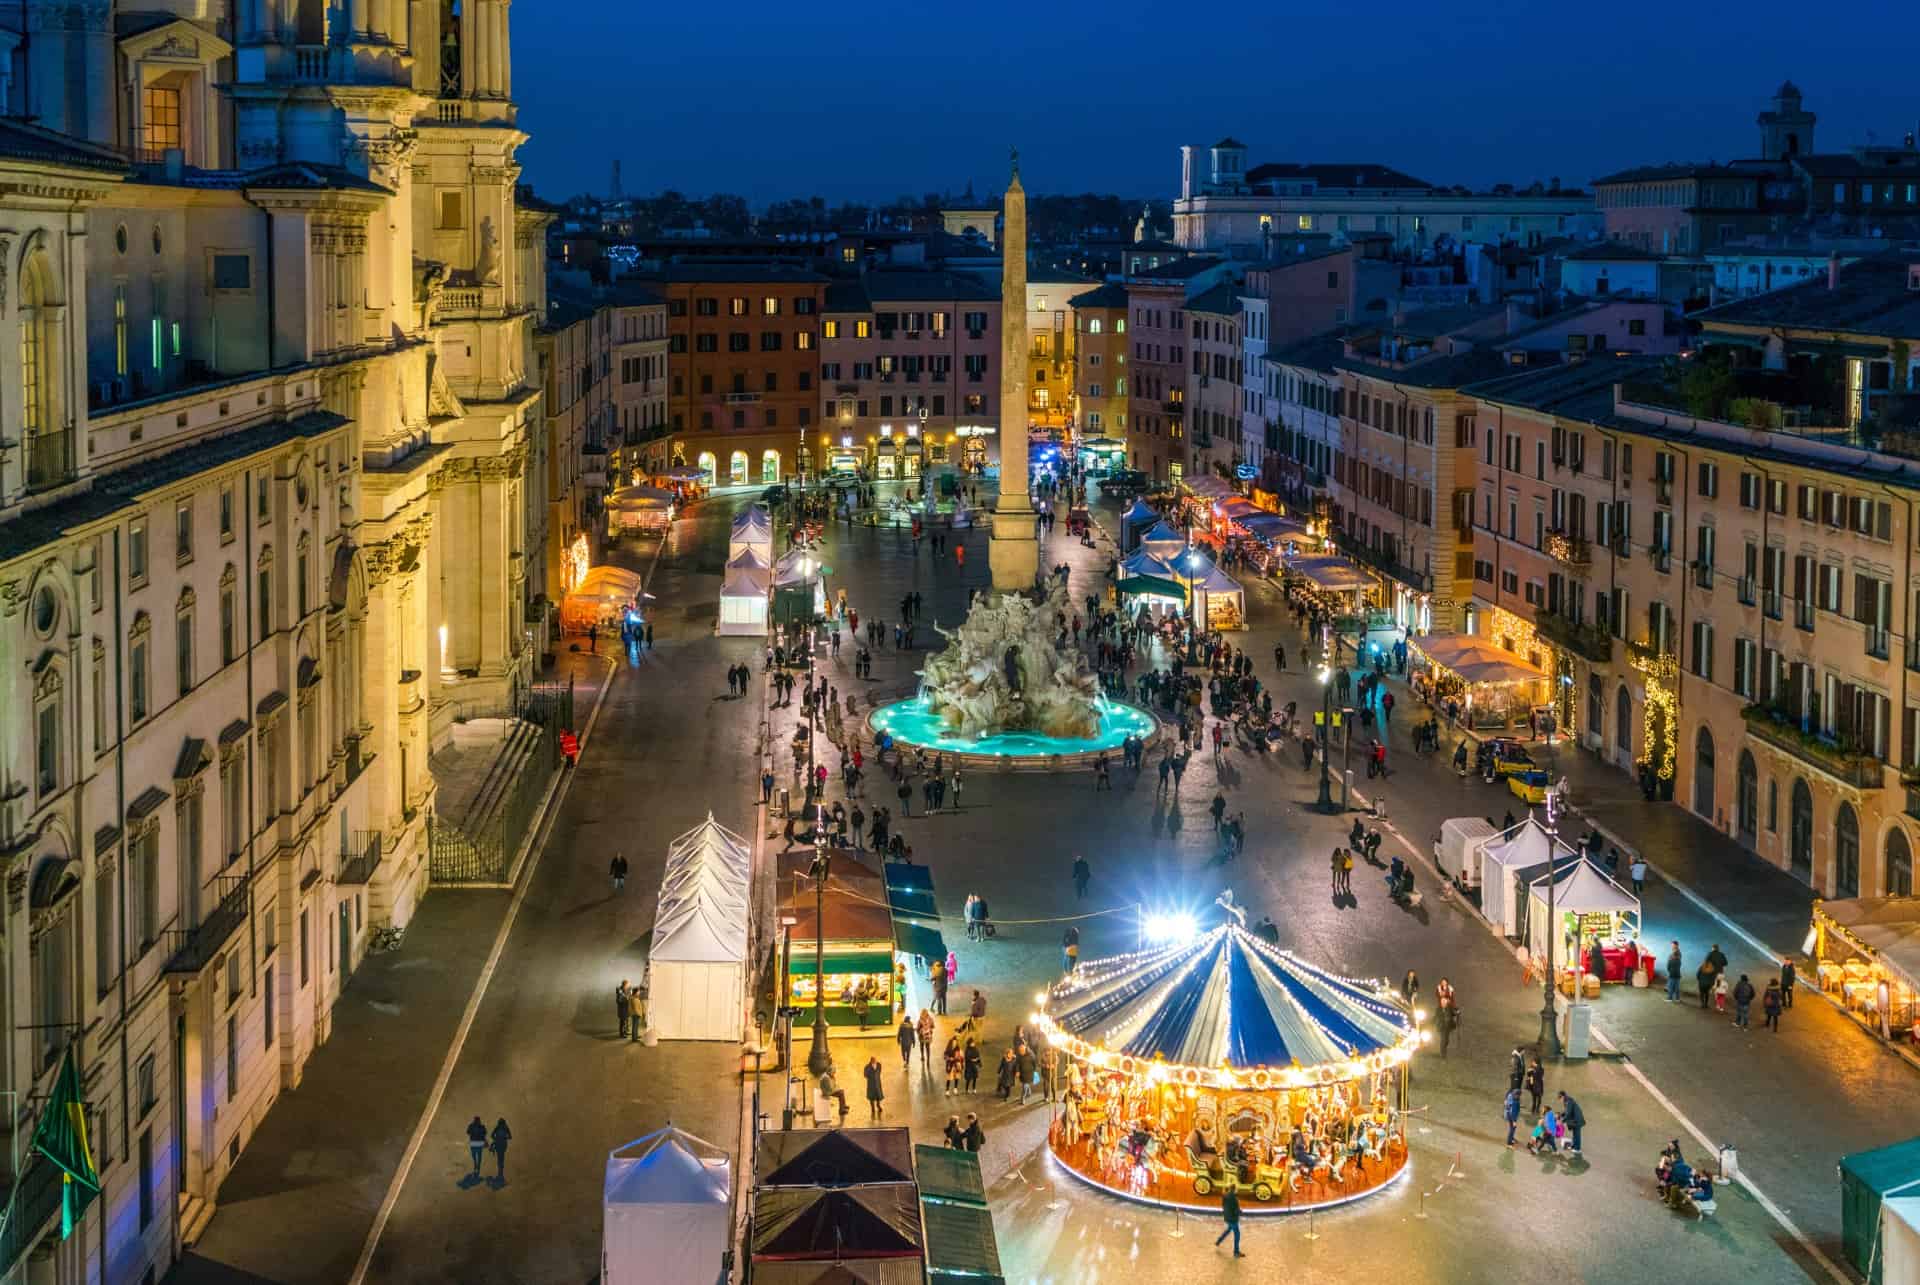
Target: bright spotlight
{"x":1171,"y":929}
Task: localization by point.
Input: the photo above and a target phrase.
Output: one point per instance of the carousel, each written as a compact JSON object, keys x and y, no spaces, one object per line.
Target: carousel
{"x":1225,"y":1062}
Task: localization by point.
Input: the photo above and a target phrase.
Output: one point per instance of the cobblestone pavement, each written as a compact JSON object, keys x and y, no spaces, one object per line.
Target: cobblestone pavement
{"x":542,"y":1050}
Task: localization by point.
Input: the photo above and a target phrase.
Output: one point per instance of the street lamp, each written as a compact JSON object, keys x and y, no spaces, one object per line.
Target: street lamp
{"x":819,"y":1058}
{"x":1325,"y":801}
{"x":1549,"y":1014}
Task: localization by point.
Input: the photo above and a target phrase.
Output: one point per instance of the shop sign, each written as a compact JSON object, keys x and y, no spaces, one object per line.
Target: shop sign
{"x":1246,"y":472}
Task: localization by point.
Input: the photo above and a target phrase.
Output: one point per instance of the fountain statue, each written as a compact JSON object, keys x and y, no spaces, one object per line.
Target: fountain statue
{"x":1005,"y":669}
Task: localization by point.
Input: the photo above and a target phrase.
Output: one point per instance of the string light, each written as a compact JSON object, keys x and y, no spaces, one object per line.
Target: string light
{"x":1661,"y":672}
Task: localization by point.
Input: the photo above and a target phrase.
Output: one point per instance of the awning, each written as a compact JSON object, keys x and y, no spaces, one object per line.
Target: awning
{"x":1209,"y":488}
{"x":861,"y":961}
{"x":1152,"y":586}
{"x":914,"y":938}
{"x":960,"y":1242}
{"x":1475,"y":660}
{"x":1888,"y":926}
{"x":1331,"y":574}
{"x":910,"y":889}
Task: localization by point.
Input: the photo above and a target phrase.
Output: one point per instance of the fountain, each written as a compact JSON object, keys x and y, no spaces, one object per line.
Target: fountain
{"x":1005,"y":687}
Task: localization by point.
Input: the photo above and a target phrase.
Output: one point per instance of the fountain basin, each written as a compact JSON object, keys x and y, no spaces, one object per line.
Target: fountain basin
{"x":912,"y":723}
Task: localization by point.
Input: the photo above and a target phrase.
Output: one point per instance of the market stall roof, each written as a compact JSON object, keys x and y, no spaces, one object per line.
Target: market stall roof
{"x":669,"y":1167}
{"x":1191,"y":564}
{"x":1526,"y":844}
{"x":1139,"y":512}
{"x":960,"y":1243}
{"x":607,"y":584}
{"x":1142,"y":563}
{"x":826,"y":1271}
{"x":685,"y":473}
{"x":1889,"y":926}
{"x":910,"y":889}
{"x":831,"y":1157}
{"x":665,"y":1204}
{"x":1475,"y":660}
{"x":752,"y":518}
{"x":1329,"y":573}
{"x":1236,"y":507}
{"x":1209,"y":488}
{"x":1580,"y":887}
{"x":746,"y":582}
{"x":747,"y":560}
{"x":1216,"y":581}
{"x":1163,"y":533}
{"x":1103,"y":443}
{"x":1152,"y":586}
{"x":639,"y":498}
{"x":838,"y":1223}
{"x":1227,"y":999}
{"x":946,"y":1174}
{"x":712,"y":838}
{"x":799,"y":566}
{"x":856,"y":900}
{"x":1272,"y":526}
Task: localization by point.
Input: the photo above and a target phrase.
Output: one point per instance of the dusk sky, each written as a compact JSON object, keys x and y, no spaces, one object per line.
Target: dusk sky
{"x":864,"y":101}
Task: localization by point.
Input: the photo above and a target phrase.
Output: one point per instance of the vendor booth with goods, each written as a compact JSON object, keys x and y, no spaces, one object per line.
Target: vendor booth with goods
{"x":1218,"y":600}
{"x":639,"y":508}
{"x":861,"y":983}
{"x":666,"y":1212}
{"x":1506,"y":865}
{"x":1470,"y":678}
{"x":1333,"y":585}
{"x":1223,"y":1061}
{"x":1598,"y":923}
{"x":744,"y":594}
{"x":696,"y":963}
{"x":1866,"y":953}
{"x":603,"y":598}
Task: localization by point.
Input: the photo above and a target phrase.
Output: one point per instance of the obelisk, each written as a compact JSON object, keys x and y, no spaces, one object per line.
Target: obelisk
{"x":1013,"y":553}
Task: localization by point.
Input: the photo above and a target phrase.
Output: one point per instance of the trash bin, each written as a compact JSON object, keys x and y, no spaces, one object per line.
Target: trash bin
{"x":1729,"y":1161}
{"x":1579,"y":1040}
{"x":785,"y":811}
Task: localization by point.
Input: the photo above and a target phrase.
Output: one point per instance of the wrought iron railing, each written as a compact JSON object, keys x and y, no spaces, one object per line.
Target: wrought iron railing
{"x":191,"y":949}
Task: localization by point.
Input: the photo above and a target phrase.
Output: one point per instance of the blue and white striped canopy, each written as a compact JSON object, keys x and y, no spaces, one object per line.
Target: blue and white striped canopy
{"x":1227,"y":999}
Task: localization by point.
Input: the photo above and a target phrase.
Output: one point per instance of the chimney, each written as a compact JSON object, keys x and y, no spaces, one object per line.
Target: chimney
{"x":1833,"y":270}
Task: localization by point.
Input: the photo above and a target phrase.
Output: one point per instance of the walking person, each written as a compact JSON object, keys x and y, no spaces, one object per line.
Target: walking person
{"x":1230,"y":1210}
{"x":1536,"y":1083}
{"x":970,"y":1060}
{"x":1743,"y":993}
{"x":1027,"y":1068}
{"x":875,"y":1094}
{"x":620,"y":1005}
{"x":924,"y":1031}
{"x":1673,"y":974}
{"x":1346,"y":871}
{"x":500,"y":1137}
{"x":1637,"y":871}
{"x":905,"y":1037}
{"x":1786,"y":981}
{"x":618,"y":869}
{"x":1004,"y":1075}
{"x":477,"y":1142}
{"x":1082,"y":874}
{"x":1574,"y":1118}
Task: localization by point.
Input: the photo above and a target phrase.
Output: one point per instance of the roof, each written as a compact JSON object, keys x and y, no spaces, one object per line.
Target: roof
{"x":1320,"y":353}
{"x":20,"y":141}
{"x":1338,"y":174}
{"x":1230,"y":141}
{"x":744,"y":271}
{"x":1848,"y":165}
{"x":1442,"y":370}
{"x":811,"y":1223}
{"x":1871,"y":298}
{"x":1178,"y":269}
{"x":1565,"y":389}
{"x":929,"y":284}
{"x":1111,"y":295}
{"x":126,"y":488}
{"x":1660,"y":173}
{"x":1222,"y":299}
{"x":1614,"y":252}
{"x":1885,"y":1168}
{"x":832,"y":1157}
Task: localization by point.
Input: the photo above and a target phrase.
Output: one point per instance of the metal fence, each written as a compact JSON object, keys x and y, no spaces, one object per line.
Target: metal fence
{"x":482,"y":850}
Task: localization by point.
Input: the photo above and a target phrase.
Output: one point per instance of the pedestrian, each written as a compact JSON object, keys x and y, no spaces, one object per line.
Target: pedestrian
{"x":620,"y":1006}
{"x":1410,"y":988}
{"x":1743,"y":993}
{"x":1346,"y":871}
{"x":906,"y":796}
{"x":1230,"y":1210}
{"x":1069,"y":949}
{"x":1786,"y":981}
{"x":1005,"y":1073}
{"x":766,"y":786}
{"x":974,"y":1136}
{"x":1166,"y":770}
{"x":905,"y":1037}
{"x":971,"y":1061}
{"x":1517,"y":1071}
{"x":1027,"y":1068}
{"x":1637,"y":871}
{"x":1770,"y":1005}
{"x":500,"y":1137}
{"x":1574,"y":1118}
{"x":875,"y":1094}
{"x":937,"y":974}
{"x":1536,"y":1082}
{"x":618,"y":869}
{"x":1511,"y":1109}
{"x":953,"y":1063}
{"x":1703,"y":978}
{"x":1333,"y":864}
{"x":1049,"y":1069}
{"x":1673,"y":974}
{"x":593,"y":638}
{"x":924,"y":1032}
{"x":637,"y":1011}
{"x":649,"y":635}
{"x":1082,"y":874}
{"x":956,"y":1136}
{"x":477,"y":1142}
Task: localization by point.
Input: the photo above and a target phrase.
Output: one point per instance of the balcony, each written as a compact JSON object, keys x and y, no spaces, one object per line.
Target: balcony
{"x":1703,"y":575}
{"x":1585,"y":640}
{"x":742,"y":399}
{"x":1879,"y":642}
{"x":1662,"y":559}
{"x":190,"y":950}
{"x":1770,"y":603}
{"x":358,"y":865}
{"x":1803,"y":615}
{"x":1824,"y":754}
{"x":49,"y":460}
{"x":1569,"y":550}
{"x":1420,"y":581}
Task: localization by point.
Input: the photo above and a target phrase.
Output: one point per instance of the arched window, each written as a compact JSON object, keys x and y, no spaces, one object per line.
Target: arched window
{"x":709,"y":468}
{"x":1846,"y":852}
{"x":1623,"y":722}
{"x":1703,"y":785}
{"x":1800,"y":832}
{"x":737,"y":469}
{"x":49,"y":451}
{"x":1746,"y":800}
{"x":769,"y":467}
{"x":53,"y":956}
{"x":1899,"y":875}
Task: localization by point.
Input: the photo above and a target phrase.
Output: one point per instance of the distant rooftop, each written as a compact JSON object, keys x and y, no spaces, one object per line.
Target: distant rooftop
{"x":1872,"y":297}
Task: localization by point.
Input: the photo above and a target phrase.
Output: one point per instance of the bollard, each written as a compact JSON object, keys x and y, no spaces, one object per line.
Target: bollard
{"x":1423,"y":1206}
{"x":1311,"y":1233}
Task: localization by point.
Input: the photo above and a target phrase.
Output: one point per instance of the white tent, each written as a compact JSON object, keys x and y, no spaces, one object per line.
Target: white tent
{"x":1900,"y":1240}
{"x":1218,"y":599}
{"x":1162,"y":541}
{"x":1579,"y":888}
{"x":600,"y":598}
{"x":633,"y":508}
{"x":1526,"y":845}
{"x":697,"y":963}
{"x":752,"y":529}
{"x":664,"y":1209}
{"x":743,"y":594}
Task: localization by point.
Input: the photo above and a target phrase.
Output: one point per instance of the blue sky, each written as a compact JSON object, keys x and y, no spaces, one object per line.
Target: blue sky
{"x":865,"y":101}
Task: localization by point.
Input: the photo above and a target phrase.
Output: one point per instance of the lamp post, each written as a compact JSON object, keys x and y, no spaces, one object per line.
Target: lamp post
{"x":1549,"y":1015}
{"x":819,"y":1058}
{"x":1325,"y":801}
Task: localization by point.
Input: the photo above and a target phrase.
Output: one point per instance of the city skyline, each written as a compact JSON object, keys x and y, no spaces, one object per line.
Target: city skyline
{"x":721,"y":114}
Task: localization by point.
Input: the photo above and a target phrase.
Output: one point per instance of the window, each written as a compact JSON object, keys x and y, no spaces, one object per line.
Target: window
{"x":160,"y":128}
{"x":802,"y":340}
{"x":1709,"y":474}
{"x":233,"y":1055}
{"x":770,"y":306}
{"x":229,"y":620}
{"x":864,"y":329}
{"x":137,"y":551}
{"x":226,"y":513}
{"x":46,"y":735}
{"x":183,"y":642}
{"x":830,"y":329}
{"x":146,"y":1178}
{"x":706,"y":307}
{"x":233,"y":802}
{"x":305,"y":945}
{"x":264,"y":593}
{"x":139,"y":676}
{"x":263,"y":498}
{"x":143,"y":886}
{"x":706,"y":343}
{"x":1746,"y":665}
{"x":266,"y":1007}
{"x":1703,"y":649}
{"x":452,"y":212}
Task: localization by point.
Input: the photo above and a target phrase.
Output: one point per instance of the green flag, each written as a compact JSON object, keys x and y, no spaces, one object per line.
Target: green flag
{"x":61,"y":1137}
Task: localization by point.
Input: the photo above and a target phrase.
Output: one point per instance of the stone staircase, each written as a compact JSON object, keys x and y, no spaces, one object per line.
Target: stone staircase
{"x":194,"y":1212}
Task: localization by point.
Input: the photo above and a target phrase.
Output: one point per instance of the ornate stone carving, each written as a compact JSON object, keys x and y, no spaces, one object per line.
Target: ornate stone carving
{"x":1003,"y":669}
{"x":176,"y":46}
{"x":10,"y":597}
{"x":6,"y":249}
{"x":17,"y":887}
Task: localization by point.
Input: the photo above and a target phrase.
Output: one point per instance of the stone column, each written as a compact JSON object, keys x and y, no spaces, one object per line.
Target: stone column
{"x":1013,"y":553}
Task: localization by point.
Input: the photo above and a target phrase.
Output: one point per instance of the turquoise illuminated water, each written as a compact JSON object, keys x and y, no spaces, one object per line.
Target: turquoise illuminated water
{"x":911,"y":722}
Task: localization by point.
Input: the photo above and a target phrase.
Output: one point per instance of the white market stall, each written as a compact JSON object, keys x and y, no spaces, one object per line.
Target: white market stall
{"x":1501,"y":859}
{"x":1590,"y":908}
{"x":752,"y":529}
{"x":1135,"y":522}
{"x":639,"y":508}
{"x":664,"y":1212}
{"x":602,"y":598}
{"x":1900,"y":1240}
{"x":1218,"y":600}
{"x":1163,"y":540}
{"x":697,"y":961}
{"x":743,"y":594}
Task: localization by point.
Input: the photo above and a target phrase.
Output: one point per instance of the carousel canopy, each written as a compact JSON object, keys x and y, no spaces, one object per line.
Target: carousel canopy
{"x":1227,"y":1002}
{"x":1476,"y":660}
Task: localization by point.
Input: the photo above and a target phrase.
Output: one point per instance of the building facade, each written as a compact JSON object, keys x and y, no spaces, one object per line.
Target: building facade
{"x":261,"y":539}
{"x":1157,"y":378}
{"x":1215,"y":432}
{"x":1101,"y":368}
{"x":640,"y":383}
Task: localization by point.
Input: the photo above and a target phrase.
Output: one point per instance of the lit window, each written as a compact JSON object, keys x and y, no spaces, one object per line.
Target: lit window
{"x":831,"y":329}
{"x":160,"y":122}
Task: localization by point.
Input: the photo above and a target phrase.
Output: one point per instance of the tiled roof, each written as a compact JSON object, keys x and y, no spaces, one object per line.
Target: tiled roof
{"x":1662,"y":173}
{"x":1318,"y":353}
{"x":1845,"y":165}
{"x":1871,"y":298}
{"x":1221,"y":300}
{"x":1614,"y":252}
{"x":1445,"y":370}
{"x":1111,"y":295}
{"x":20,"y":141}
{"x":724,"y":272}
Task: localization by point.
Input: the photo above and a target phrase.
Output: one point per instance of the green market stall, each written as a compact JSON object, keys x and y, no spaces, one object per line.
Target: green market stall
{"x":854,"y":928}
